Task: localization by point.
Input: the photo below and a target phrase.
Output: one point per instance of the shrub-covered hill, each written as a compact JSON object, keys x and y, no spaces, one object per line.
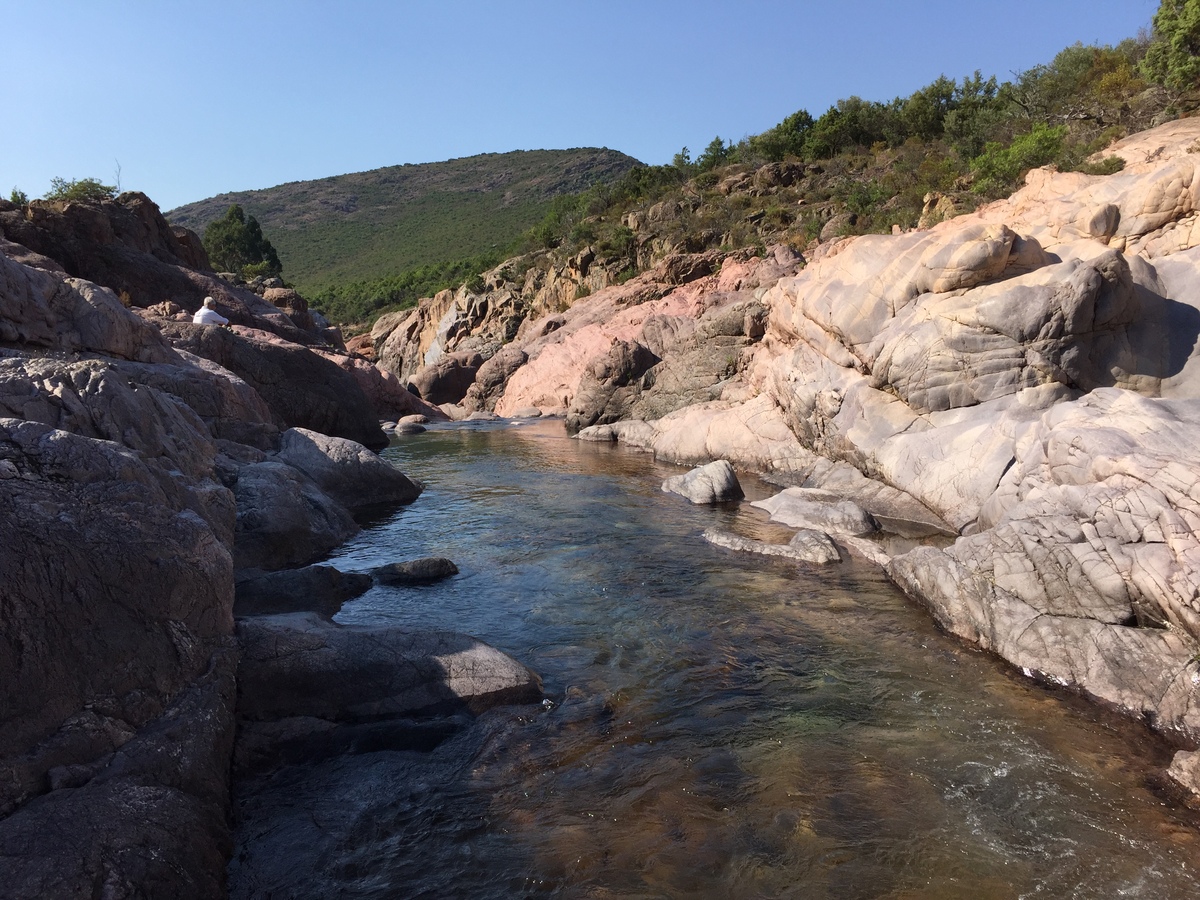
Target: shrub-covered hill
{"x":387,"y":221}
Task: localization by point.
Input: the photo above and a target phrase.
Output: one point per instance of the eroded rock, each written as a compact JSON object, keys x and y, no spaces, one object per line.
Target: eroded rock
{"x":712,"y":483}
{"x":807,"y":545}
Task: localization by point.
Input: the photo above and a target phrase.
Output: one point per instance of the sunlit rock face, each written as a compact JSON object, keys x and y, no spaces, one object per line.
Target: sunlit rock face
{"x":1024,"y":376}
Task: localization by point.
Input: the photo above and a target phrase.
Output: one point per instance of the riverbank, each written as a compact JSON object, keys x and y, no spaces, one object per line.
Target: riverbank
{"x":1023,"y":378}
{"x":146,"y":465}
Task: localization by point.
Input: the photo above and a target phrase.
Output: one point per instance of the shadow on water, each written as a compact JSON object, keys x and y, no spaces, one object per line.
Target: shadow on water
{"x":722,"y":725}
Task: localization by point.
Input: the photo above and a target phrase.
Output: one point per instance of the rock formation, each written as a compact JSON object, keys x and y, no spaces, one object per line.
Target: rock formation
{"x":143,"y":461}
{"x":1022,"y":379}
{"x":713,"y":483}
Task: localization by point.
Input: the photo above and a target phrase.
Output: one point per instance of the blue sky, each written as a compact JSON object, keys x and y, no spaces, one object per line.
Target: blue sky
{"x":192,"y":99}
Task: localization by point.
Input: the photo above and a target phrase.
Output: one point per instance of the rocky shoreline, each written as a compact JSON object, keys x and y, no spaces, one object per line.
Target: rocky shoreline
{"x":1003,"y":411}
{"x":160,"y":484}
{"x":1020,"y":383}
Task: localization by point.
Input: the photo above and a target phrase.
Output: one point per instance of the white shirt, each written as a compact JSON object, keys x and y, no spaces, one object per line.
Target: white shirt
{"x":206,"y":316}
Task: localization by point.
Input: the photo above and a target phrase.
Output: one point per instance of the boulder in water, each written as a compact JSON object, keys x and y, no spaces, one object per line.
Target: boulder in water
{"x":713,"y":483}
{"x":415,"y":571}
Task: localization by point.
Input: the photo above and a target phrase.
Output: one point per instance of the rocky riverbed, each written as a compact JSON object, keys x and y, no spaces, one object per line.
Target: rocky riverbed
{"x":1007,"y":405}
{"x":1022,"y":380}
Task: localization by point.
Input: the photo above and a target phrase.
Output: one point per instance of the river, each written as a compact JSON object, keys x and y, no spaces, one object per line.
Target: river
{"x":719,"y":724}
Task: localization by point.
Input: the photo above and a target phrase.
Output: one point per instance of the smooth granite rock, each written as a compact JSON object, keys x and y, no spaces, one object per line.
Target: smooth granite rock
{"x":713,"y":483}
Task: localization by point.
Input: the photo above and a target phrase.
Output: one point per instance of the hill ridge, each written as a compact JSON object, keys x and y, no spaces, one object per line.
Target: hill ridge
{"x":382,"y":221}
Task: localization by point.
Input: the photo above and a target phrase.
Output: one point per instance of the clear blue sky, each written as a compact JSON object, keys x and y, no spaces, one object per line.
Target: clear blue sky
{"x":196,"y":98}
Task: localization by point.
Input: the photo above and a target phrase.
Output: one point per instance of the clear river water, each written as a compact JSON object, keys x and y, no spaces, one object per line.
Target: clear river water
{"x":719,"y":724}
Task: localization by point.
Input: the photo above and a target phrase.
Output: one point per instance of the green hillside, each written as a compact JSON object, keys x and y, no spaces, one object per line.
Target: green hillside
{"x":368,"y":225}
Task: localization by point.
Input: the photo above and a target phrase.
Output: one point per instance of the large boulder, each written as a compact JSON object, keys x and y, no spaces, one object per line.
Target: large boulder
{"x":492,"y":378}
{"x":284,"y":519}
{"x":712,"y":483}
{"x":302,"y":389}
{"x":43,"y":310}
{"x":303,"y":665}
{"x":115,"y":642}
{"x":447,"y":379}
{"x":823,"y":510}
{"x":347,"y":471}
{"x":388,"y":397}
{"x":609,"y":385}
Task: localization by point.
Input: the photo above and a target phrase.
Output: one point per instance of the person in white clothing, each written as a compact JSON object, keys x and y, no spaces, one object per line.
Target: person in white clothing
{"x":208,"y":315}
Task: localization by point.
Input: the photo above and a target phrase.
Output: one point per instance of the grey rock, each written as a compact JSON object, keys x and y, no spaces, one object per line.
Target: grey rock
{"x":609,"y":385}
{"x":416,"y":571}
{"x":301,"y":388}
{"x":712,"y":483}
{"x":320,"y":589}
{"x":492,"y":377}
{"x":284,"y":519}
{"x":346,"y":471}
{"x":807,"y":545}
{"x":303,"y":665}
{"x":814,"y":508}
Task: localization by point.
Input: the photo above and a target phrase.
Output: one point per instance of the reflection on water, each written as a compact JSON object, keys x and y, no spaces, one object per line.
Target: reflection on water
{"x":722,"y":725}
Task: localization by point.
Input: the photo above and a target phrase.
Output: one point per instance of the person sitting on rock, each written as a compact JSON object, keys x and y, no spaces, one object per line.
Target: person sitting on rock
{"x":208,"y":315}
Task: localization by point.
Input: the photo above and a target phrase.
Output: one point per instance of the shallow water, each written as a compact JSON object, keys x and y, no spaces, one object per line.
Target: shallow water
{"x":721,"y":724}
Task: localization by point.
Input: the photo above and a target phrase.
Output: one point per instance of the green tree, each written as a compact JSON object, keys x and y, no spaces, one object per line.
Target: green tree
{"x":923,"y":114}
{"x":785,"y":139}
{"x":235,"y":243}
{"x":715,"y":154}
{"x":1173,"y":57}
{"x":19,"y":197}
{"x":79,"y":189}
{"x":854,"y":123}
{"x":978,"y":115}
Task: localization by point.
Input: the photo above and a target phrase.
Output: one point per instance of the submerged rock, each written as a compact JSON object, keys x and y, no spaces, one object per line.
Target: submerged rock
{"x":814,"y":508}
{"x":320,"y":589}
{"x":304,"y":665}
{"x":416,"y":571}
{"x":807,"y":545}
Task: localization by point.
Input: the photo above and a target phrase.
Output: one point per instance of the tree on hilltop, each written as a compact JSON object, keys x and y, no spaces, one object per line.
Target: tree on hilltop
{"x":235,"y":243}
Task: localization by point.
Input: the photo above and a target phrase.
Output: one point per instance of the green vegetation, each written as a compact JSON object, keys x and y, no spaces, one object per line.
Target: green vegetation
{"x":19,"y":197}
{"x":235,"y":243}
{"x":367,"y":243}
{"x":1173,"y":59}
{"x":365,"y":300}
{"x":77,"y":190}
{"x":871,"y":165}
{"x":378,"y":225}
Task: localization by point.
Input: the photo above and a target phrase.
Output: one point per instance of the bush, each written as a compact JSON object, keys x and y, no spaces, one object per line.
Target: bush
{"x":998,"y":169}
{"x":18,"y":197}
{"x":77,"y":190}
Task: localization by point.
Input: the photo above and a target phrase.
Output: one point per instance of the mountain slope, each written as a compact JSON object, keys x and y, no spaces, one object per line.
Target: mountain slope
{"x":382,"y":222}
